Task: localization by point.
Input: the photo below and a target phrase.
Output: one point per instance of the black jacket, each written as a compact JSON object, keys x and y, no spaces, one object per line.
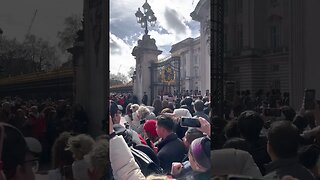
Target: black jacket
{"x":282,"y":167}
{"x":171,"y":149}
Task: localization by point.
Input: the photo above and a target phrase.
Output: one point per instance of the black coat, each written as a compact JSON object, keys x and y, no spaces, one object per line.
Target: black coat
{"x":171,"y":149}
{"x":291,"y":166}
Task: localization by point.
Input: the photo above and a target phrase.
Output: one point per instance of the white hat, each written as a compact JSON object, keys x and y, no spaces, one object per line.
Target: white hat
{"x":182,"y":112}
{"x":33,"y":145}
{"x":120,"y":107}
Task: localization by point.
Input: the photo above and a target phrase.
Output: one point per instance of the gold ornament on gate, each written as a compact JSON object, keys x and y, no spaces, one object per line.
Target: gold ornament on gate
{"x":168,"y":75}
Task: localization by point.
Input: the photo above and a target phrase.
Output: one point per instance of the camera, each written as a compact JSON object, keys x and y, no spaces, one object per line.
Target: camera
{"x":142,"y":121}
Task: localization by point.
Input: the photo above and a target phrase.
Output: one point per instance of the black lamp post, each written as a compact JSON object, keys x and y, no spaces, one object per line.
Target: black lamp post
{"x":146,"y":16}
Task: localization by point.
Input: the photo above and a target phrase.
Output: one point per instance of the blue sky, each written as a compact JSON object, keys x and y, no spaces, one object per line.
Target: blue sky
{"x":174,"y":24}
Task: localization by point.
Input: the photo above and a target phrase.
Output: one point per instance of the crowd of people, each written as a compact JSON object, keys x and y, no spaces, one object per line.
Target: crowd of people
{"x":266,"y":139}
{"x":150,"y":142}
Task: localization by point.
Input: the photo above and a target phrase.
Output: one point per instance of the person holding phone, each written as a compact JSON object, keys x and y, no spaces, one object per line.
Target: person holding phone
{"x":170,"y":148}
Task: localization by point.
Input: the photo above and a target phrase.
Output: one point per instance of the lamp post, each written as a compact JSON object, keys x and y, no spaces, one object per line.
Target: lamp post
{"x":146,"y":16}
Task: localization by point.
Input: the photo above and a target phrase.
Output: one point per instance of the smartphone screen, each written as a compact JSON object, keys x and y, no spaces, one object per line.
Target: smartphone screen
{"x":190,"y":122}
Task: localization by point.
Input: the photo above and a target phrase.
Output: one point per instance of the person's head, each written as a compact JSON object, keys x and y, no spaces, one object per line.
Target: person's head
{"x":165,"y":126}
{"x":18,"y":162}
{"x":99,"y":157}
{"x":300,"y":122}
{"x":150,"y":127}
{"x":181,"y":112}
{"x":188,"y":101}
{"x":250,"y":125}
{"x":309,"y":157}
{"x":115,"y":112}
{"x":157,"y":105}
{"x":237,"y":143}
{"x":166,"y":110}
{"x":198,"y":105}
{"x":190,"y":135}
{"x":143,"y":112}
{"x":61,"y":157}
{"x":283,"y":140}
{"x":218,"y":123}
{"x":232,"y":130}
{"x":171,"y":105}
{"x":80,"y":145}
{"x":199,"y":154}
{"x":165,"y":104}
{"x":129,"y":110}
{"x":288,"y":112}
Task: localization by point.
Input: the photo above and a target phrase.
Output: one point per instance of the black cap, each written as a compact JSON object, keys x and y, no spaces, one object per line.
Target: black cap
{"x":113,"y":108}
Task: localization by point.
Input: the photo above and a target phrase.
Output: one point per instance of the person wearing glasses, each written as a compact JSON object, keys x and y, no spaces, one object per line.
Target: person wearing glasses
{"x":18,"y":160}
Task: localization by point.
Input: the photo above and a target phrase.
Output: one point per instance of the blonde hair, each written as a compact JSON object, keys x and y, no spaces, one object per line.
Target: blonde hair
{"x":80,"y":144}
{"x":157,"y":177}
{"x":143,"y":112}
{"x":99,"y":156}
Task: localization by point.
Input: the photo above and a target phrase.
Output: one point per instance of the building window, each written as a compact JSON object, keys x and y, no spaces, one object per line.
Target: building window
{"x":196,"y":60}
{"x":275,"y":68}
{"x":276,"y":84}
{"x":275,"y":36}
{"x":196,"y":72}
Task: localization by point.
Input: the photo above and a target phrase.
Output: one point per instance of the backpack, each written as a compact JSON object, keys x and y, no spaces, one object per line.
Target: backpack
{"x":146,"y":165}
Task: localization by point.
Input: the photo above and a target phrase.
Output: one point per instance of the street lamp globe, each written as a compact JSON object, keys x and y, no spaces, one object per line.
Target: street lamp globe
{"x":139,"y":15}
{"x":153,"y":21}
{"x":146,"y":7}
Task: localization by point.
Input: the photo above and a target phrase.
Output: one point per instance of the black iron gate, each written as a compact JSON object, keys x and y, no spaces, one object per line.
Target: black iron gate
{"x":165,"y":78}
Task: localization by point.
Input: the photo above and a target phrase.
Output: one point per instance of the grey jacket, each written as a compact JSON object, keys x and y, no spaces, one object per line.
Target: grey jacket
{"x":233,"y":161}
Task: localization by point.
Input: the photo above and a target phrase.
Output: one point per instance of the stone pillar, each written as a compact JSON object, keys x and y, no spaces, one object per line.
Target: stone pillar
{"x":145,"y":53}
{"x":94,"y":92}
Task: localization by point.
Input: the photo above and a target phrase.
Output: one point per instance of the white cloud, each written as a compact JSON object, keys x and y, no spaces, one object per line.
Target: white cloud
{"x":173,"y":26}
{"x":121,"y":60}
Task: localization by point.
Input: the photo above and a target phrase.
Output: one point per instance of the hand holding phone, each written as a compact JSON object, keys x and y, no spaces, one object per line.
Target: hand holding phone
{"x":176,"y":168}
